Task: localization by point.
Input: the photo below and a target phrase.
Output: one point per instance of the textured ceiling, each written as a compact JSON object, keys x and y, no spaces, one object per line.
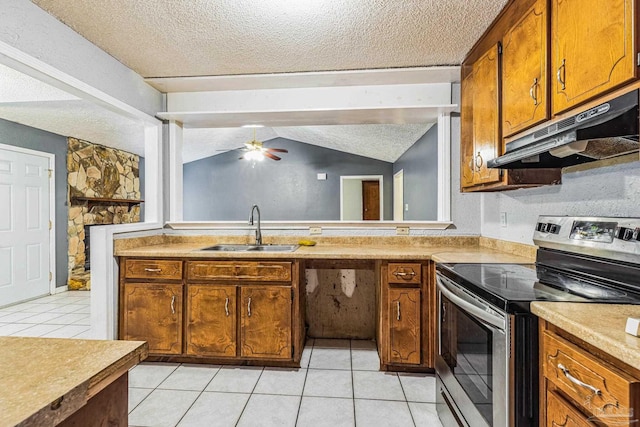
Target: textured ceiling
{"x":382,"y":142}
{"x":28,"y":101}
{"x":161,"y":38}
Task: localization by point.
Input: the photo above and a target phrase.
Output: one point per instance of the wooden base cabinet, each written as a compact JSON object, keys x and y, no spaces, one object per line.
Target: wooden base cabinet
{"x":211,"y":320}
{"x":582,"y":386}
{"x":403,"y":311}
{"x":406,"y":332}
{"x":152,"y":312}
{"x":265,"y":328}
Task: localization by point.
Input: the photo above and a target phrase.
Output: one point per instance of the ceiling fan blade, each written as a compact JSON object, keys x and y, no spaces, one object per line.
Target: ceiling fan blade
{"x":277,"y":150}
{"x":271,"y":156}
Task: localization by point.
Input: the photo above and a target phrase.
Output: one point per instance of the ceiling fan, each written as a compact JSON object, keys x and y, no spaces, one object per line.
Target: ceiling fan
{"x":256,"y":152}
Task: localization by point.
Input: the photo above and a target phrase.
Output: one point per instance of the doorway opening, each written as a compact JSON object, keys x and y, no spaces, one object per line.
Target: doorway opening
{"x":361,"y":198}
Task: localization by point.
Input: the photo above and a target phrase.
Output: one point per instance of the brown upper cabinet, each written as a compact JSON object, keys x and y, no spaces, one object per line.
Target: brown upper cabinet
{"x":482,"y":141}
{"x":592,"y":49}
{"x":524,"y":71}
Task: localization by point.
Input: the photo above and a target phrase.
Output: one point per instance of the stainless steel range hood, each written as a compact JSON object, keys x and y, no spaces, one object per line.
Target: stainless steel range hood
{"x":605,"y":131}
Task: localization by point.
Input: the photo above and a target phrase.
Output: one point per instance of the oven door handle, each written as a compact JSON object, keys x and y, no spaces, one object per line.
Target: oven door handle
{"x":469,"y":307}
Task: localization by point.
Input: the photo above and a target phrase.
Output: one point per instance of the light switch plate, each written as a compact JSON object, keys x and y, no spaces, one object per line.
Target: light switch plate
{"x":315,"y":230}
{"x":402,"y":231}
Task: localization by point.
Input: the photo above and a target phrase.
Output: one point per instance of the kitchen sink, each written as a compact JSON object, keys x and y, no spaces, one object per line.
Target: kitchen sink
{"x":251,"y":248}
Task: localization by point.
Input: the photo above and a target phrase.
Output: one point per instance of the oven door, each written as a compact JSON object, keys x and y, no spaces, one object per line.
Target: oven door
{"x":473,"y":359}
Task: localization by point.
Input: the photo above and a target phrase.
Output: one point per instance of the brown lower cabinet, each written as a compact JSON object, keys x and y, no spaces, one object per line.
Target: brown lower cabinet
{"x":152,"y":312}
{"x":265,"y":322}
{"x":211,"y":320}
{"x":583,"y":386}
{"x":213,"y":310}
{"x":406,"y":329}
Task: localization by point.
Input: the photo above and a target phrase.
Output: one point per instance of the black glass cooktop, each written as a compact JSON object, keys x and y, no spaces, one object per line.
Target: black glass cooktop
{"x":511,"y":287}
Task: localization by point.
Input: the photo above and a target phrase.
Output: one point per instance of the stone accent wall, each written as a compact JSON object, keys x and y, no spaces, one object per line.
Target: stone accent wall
{"x":99,"y":172}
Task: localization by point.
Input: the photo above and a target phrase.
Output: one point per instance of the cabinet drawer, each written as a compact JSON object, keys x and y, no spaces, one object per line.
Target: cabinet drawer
{"x":562,"y":413}
{"x":234,"y":270}
{"x":404,"y":273}
{"x":153,"y":269}
{"x":600,"y":388}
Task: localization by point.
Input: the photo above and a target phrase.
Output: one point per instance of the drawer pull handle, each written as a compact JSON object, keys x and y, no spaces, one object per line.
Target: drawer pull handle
{"x":404,"y":275}
{"x":398,"y":304}
{"x":226,"y":306}
{"x":249,"y":307}
{"x":576,"y":381}
{"x":173,"y":304}
{"x":153,"y":270}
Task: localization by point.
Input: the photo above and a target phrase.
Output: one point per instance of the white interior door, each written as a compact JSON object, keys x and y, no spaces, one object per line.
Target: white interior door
{"x":398,"y":196}
{"x":24,"y":226}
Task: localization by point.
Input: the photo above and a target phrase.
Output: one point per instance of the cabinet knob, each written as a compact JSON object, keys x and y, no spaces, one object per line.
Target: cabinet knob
{"x":479,"y":164}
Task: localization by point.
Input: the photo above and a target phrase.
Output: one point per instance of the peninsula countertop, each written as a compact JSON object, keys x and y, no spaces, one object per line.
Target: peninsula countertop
{"x":601,"y":325}
{"x":44,"y":380}
{"x":449,"y":250}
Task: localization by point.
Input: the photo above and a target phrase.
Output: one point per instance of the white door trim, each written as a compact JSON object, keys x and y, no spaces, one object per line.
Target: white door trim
{"x":378,"y":178}
{"x":396,"y":176}
{"x":52,"y":206}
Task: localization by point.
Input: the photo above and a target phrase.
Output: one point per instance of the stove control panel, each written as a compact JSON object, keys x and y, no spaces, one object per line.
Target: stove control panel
{"x":605,"y":237}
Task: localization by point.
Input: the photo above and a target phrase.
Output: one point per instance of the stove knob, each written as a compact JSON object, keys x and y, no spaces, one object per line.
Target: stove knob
{"x":624,"y":233}
{"x":542,"y":227}
{"x":636,"y":234}
{"x":553,"y":228}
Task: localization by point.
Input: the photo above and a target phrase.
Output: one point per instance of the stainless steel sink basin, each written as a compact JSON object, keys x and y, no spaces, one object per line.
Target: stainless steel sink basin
{"x":251,"y":248}
{"x":275,"y":248}
{"x":228,"y":248}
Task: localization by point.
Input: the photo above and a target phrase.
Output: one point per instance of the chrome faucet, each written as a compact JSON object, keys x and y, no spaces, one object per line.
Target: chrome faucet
{"x":258,"y":231}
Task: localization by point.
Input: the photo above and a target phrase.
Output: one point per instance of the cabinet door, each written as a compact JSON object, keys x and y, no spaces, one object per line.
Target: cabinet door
{"x":265,"y":329}
{"x":524,"y":76}
{"x":153,"y":313}
{"x":404,"y":325}
{"x":211,"y":320}
{"x":486,"y":116}
{"x":466,"y":133}
{"x":562,"y":413}
{"x":592,"y":48}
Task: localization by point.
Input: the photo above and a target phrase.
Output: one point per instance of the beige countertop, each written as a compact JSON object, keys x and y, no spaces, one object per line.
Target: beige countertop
{"x":439,"y":253}
{"x":37,"y":371}
{"x":601,"y":325}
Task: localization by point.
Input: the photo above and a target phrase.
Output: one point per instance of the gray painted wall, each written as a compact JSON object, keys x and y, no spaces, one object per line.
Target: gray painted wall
{"x":26,"y":137}
{"x":223,"y":188}
{"x":420,"y":170}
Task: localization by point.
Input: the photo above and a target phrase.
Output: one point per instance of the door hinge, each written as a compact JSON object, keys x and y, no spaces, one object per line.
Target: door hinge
{"x":50,"y":172}
{"x":50,"y":225}
{"x":50,"y":276}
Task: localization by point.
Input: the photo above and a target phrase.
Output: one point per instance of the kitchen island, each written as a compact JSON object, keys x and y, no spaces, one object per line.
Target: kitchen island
{"x":50,"y":381}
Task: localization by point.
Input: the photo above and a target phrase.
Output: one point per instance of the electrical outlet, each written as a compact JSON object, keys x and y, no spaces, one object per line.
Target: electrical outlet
{"x":406,"y":207}
{"x":503,"y":219}
{"x":402,"y":231}
{"x":315,"y":230}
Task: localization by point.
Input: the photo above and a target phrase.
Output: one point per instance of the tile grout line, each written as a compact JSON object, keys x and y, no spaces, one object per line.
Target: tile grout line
{"x":152,"y":390}
{"x":304,"y":384}
{"x":250,"y":395}
{"x":199,"y":394}
{"x":353,"y":385}
{"x":406,"y":401}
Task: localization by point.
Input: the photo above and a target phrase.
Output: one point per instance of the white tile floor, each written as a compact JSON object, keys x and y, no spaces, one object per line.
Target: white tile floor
{"x":63,"y":315}
{"x":338,"y":385}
